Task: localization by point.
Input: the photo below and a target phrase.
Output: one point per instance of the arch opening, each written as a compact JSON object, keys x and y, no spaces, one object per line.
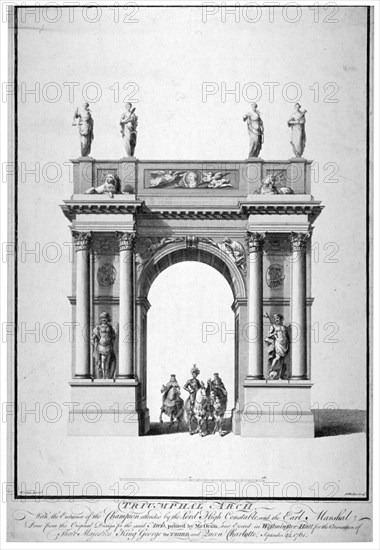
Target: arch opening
{"x":190,"y":321}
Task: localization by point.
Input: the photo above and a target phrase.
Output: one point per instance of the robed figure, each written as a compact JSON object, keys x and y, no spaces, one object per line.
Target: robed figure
{"x":278,"y":347}
{"x":297,"y":123}
{"x":128,"y":129}
{"x":167,"y":387}
{"x":83,"y":119}
{"x":255,"y":127}
{"x":172,"y":403}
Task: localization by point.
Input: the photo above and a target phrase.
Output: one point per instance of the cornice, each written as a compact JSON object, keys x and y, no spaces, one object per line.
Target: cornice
{"x":79,"y":206}
{"x":71,"y":208}
{"x":312,"y":209}
{"x":180,"y":213}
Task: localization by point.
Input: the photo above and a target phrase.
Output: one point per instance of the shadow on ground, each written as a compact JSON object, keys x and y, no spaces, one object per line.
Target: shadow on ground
{"x":339,"y":422}
{"x":157,"y":428}
{"x":327,"y":424}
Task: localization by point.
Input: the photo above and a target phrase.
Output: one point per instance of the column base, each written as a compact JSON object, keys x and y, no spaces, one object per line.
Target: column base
{"x":277,"y":408}
{"x":125,"y":377}
{"x":106,"y":408}
{"x":255,"y":377}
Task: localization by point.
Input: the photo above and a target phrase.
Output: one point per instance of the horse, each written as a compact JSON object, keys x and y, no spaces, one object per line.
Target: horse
{"x":200,"y":410}
{"x":218,"y":407}
{"x":173,"y":406}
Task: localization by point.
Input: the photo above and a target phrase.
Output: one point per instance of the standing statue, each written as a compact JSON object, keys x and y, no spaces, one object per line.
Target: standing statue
{"x":255,"y":127}
{"x":103,"y":338}
{"x":83,"y":119}
{"x":278,"y":341}
{"x":297,"y":123}
{"x":128,"y":125}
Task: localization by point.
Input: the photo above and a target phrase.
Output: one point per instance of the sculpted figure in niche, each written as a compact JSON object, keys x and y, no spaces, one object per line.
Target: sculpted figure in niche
{"x":278,"y":347}
{"x":103,"y":338}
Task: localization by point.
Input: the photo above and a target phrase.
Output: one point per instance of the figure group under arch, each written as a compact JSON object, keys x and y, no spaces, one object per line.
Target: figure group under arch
{"x":205,"y":402}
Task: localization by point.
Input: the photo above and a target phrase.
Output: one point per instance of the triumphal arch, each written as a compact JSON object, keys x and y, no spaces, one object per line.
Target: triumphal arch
{"x":252,"y":221}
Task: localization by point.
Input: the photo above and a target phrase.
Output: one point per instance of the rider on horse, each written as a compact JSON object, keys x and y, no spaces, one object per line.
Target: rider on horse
{"x":217,"y":393}
{"x":171,"y":384}
{"x":193,"y":384}
{"x":216,"y":385}
{"x":172,"y":404}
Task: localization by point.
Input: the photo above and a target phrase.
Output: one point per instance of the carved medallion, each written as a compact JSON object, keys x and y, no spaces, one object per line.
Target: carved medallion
{"x":275,"y":276}
{"x":106,"y":275}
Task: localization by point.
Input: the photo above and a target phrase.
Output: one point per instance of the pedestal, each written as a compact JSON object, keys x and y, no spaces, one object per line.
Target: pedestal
{"x":106,"y":408}
{"x":277,"y":409}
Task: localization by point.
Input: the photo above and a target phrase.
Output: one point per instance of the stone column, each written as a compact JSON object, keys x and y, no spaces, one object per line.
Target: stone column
{"x":255,"y":305}
{"x":298,"y":306}
{"x":126,"y":329}
{"x":142,"y":308}
{"x":82,"y":242}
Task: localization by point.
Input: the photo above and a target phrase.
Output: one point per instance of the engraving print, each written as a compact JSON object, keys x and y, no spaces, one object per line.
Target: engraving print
{"x":190,"y":316}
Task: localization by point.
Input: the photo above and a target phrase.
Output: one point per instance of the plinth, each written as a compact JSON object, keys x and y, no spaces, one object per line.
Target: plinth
{"x":278,"y":408}
{"x":106,"y":408}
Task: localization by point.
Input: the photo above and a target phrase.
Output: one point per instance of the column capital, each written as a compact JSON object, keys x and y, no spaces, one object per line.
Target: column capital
{"x":82,"y":240}
{"x":299,"y":241}
{"x":255,"y":241}
{"x":126,"y":240}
